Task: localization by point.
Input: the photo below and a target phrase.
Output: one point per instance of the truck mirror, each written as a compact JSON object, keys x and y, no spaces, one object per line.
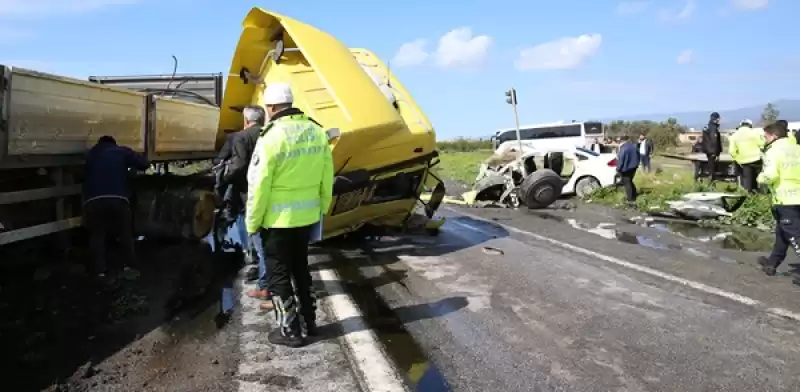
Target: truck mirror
{"x":333,"y":133}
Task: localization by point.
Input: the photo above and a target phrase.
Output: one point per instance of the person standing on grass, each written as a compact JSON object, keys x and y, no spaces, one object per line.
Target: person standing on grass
{"x":645,"y":148}
{"x":712,"y":144}
{"x":781,"y":174}
{"x":627,"y":163}
{"x":107,"y":212}
{"x":745,"y":146}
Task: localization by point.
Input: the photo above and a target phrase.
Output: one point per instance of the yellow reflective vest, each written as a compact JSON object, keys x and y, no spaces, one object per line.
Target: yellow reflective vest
{"x":290,"y":178}
{"x":746,"y":144}
{"x":781,"y":172}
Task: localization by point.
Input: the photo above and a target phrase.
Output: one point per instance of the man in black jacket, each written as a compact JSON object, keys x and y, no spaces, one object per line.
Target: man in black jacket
{"x":242,"y":145}
{"x":106,"y":193}
{"x":712,"y":144}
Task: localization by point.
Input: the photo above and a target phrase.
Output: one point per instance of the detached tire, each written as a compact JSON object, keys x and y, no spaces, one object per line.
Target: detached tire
{"x":540,"y":189}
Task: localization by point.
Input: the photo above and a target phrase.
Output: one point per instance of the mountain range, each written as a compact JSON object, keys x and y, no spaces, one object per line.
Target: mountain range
{"x":789,"y":110}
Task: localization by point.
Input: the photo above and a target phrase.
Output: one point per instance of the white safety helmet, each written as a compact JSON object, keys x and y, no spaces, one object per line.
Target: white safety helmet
{"x":746,"y":122}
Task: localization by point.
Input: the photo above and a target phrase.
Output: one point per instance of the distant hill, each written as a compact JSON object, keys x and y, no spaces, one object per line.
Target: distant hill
{"x":789,"y":110}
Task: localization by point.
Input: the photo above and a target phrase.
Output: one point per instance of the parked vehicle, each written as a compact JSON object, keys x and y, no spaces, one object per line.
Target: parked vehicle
{"x":549,"y":136}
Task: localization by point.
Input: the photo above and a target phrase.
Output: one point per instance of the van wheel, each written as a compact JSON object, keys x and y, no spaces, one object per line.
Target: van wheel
{"x":586,"y":185}
{"x":540,"y":189}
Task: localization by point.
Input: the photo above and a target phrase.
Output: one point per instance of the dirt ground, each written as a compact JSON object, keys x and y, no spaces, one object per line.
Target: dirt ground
{"x":63,"y":329}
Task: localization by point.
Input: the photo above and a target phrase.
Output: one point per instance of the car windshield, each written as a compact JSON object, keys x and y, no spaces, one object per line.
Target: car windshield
{"x":589,"y":152}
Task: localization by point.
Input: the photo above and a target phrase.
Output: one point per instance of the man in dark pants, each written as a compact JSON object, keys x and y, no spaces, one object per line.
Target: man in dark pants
{"x":712,"y":144}
{"x":645,"y":149}
{"x":781,"y":173}
{"x":106,"y":191}
{"x":627,"y":163}
{"x":243,"y":144}
{"x":745,"y":146}
{"x":290,"y":186}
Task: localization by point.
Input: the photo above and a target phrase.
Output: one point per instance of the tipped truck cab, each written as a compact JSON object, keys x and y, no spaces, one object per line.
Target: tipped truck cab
{"x":385,"y":149}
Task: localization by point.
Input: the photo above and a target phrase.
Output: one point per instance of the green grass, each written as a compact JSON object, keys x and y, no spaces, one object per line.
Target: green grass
{"x":462,"y":166}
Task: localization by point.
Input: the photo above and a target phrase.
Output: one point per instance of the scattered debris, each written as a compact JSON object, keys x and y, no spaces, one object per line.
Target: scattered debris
{"x":493,"y":251}
{"x":703,"y":205}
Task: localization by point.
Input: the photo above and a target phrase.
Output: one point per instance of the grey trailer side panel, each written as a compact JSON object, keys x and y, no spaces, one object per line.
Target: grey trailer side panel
{"x":184,"y":127}
{"x":52,"y":115}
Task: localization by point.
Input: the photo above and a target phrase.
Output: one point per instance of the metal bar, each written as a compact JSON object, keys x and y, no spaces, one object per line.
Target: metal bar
{"x":5,"y":101}
{"x":39,"y":230}
{"x":149,"y":126}
{"x":58,"y":178}
{"x":38,"y":194}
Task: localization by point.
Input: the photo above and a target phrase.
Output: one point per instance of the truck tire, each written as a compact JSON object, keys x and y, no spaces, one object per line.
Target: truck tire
{"x":540,"y":189}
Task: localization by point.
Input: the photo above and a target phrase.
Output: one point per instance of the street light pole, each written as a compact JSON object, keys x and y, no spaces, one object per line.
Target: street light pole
{"x":511,"y":99}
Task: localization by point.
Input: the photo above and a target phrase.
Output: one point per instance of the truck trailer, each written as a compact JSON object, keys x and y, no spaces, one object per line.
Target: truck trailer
{"x":384,"y":146}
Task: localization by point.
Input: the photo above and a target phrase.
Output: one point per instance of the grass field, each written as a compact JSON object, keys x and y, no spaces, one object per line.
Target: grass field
{"x":462,"y":166}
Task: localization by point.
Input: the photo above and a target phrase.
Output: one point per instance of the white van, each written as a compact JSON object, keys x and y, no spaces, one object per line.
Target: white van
{"x":550,"y":136}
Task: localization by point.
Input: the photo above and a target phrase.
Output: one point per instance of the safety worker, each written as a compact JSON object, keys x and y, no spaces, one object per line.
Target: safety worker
{"x":712,"y":144}
{"x":785,"y":125}
{"x":745,"y":146}
{"x":781,"y":173}
{"x":106,"y":193}
{"x":290,"y":186}
{"x":243,"y":144}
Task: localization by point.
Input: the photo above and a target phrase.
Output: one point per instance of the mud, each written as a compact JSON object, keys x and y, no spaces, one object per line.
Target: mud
{"x":64,"y":329}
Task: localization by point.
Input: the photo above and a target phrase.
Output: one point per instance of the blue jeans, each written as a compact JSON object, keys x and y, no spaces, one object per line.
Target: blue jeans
{"x":257,"y":247}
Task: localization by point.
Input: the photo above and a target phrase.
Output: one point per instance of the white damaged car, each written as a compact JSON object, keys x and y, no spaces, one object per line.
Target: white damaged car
{"x":511,"y":179}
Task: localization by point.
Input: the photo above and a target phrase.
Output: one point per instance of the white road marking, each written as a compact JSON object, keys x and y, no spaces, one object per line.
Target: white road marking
{"x":636,"y":267}
{"x":377,"y":372}
{"x":364,"y":352}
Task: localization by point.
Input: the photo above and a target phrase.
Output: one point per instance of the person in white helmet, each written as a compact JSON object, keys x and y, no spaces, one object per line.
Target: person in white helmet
{"x":746,"y":146}
{"x":290,"y":188}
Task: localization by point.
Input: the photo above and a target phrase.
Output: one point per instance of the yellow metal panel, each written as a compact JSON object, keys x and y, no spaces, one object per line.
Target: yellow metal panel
{"x":185,"y":127}
{"x":51,"y":115}
{"x":328,"y":82}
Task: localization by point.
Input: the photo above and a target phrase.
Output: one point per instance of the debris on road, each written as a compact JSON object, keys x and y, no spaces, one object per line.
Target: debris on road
{"x":703,"y":205}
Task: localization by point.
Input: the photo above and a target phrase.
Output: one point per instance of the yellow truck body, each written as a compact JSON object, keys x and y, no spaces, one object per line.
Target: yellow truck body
{"x":389,"y":148}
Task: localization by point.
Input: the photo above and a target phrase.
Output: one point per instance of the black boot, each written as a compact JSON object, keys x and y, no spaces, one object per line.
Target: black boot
{"x":311,"y":326}
{"x":767,"y":266}
{"x":289,"y":331}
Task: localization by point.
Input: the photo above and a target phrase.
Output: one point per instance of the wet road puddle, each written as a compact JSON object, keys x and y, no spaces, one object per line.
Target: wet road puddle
{"x":726,"y":238}
{"x":722,"y":238}
{"x":420,"y":372}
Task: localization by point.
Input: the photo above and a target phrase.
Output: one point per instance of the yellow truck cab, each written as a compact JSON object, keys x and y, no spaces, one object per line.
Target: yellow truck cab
{"x":385,"y":146}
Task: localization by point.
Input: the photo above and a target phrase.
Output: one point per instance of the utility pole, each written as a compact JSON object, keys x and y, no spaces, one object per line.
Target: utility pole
{"x":511,"y":99}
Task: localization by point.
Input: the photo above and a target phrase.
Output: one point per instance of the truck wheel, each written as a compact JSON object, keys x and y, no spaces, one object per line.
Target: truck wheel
{"x":586,"y":185}
{"x":541,"y":188}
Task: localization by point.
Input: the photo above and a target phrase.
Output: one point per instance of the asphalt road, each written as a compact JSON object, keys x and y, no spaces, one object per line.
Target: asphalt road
{"x":565,"y":309}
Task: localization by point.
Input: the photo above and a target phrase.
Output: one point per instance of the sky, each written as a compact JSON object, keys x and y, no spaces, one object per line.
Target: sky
{"x":567,"y":59}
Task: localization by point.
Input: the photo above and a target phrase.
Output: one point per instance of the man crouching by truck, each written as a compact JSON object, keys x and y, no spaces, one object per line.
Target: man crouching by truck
{"x":106,"y":209}
{"x":781,"y":173}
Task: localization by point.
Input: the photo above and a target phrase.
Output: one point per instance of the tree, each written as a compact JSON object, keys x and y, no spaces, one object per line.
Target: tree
{"x":663,"y":134}
{"x":770,"y":114}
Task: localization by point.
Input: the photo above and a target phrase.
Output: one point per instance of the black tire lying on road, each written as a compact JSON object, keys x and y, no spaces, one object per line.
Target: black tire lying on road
{"x":540,"y":189}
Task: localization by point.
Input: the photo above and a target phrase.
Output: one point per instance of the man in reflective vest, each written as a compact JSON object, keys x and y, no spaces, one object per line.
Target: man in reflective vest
{"x":781,"y":174}
{"x":745,"y":147}
{"x":290,"y":186}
